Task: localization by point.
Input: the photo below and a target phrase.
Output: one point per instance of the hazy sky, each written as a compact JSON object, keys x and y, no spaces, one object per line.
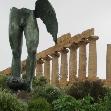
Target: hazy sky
{"x":74,"y":16}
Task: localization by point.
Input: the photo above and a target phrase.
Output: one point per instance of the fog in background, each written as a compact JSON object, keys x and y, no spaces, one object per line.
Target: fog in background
{"x":73,"y":16}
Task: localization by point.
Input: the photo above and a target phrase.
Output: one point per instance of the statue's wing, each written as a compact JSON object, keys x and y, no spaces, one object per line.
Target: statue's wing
{"x":45,"y":11}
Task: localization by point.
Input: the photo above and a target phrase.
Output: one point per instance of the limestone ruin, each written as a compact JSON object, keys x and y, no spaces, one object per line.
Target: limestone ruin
{"x":59,"y":64}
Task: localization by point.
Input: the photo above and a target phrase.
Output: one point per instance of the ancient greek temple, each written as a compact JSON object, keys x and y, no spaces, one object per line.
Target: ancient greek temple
{"x":70,"y":60}
{"x":68,"y":69}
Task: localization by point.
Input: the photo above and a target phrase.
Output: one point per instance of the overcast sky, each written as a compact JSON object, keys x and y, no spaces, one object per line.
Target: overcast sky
{"x":74,"y":16}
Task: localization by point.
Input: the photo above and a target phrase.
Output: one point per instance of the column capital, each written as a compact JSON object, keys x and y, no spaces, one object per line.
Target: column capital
{"x":47,"y":58}
{"x":82,"y":43}
{"x":93,"y":38}
{"x":40,"y":61}
{"x":64,"y":50}
{"x":74,"y":46}
{"x":55,"y":54}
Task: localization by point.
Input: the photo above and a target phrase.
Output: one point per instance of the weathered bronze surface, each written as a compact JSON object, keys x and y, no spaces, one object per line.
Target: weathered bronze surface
{"x":24,"y":20}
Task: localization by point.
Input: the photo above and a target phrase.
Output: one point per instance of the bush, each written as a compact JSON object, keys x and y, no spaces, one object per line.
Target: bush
{"x":42,"y":89}
{"x":86,"y":104}
{"x":39,"y":104}
{"x":52,"y":93}
{"x":100,"y":106}
{"x":104,"y":104}
{"x":84,"y":88}
{"x":107,"y":101}
{"x":9,"y":102}
{"x":3,"y":80}
{"x":41,"y":81}
{"x":39,"y":85}
{"x":48,"y":92}
{"x":38,"y":92}
{"x":66,"y":103}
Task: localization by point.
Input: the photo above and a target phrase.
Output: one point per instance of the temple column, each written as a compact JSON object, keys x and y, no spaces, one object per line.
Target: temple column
{"x":108,"y":65}
{"x":47,"y":68}
{"x":92,"y":62}
{"x":82,"y":62}
{"x":39,"y":68}
{"x":55,"y":69}
{"x":73,"y":63}
{"x":64,"y":67}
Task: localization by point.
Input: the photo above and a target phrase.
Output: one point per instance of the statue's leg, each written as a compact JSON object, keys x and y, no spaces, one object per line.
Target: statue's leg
{"x":32,"y":39}
{"x":15,"y":39}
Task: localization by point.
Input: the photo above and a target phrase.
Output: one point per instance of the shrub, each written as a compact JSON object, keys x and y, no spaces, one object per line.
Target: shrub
{"x":9,"y":102}
{"x":100,"y":106}
{"x":107,"y":101}
{"x":52,"y":93}
{"x":39,"y":85}
{"x":48,"y":92}
{"x":86,"y":104}
{"x":41,"y":81}
{"x":84,"y":88}
{"x":65,"y":103}
{"x":38,"y":92}
{"x":68,"y":103}
{"x":39,"y":104}
{"x":3,"y":80}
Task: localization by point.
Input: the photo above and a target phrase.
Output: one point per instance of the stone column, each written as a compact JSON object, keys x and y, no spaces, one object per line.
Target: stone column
{"x":82,"y":62}
{"x":47,"y":68}
{"x":39,"y":68}
{"x":73,"y":63}
{"x":92,"y":62}
{"x":64,"y":67}
{"x":55,"y":69}
{"x":108,"y":65}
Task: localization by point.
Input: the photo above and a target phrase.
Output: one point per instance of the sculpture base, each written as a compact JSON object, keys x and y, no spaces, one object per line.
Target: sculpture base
{"x":16,"y":83}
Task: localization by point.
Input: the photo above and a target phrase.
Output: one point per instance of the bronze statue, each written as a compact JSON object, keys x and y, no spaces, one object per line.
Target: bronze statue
{"x":24,"y":20}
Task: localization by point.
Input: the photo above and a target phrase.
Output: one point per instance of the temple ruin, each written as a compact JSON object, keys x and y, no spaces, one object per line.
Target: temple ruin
{"x":67,"y":61}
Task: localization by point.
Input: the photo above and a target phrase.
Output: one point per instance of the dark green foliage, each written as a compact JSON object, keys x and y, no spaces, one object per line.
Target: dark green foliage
{"x":42,"y":89}
{"x":68,"y":103}
{"x":65,"y":103}
{"x":48,"y":92}
{"x":52,"y":93}
{"x":41,"y":81}
{"x":84,"y":96}
{"x":107,"y":101}
{"x":39,"y":87}
{"x":84,"y":88}
{"x":103,"y":104}
{"x":3,"y":79}
{"x":39,"y":104}
{"x":85,"y":104}
{"x":9,"y":102}
{"x":38,"y":92}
